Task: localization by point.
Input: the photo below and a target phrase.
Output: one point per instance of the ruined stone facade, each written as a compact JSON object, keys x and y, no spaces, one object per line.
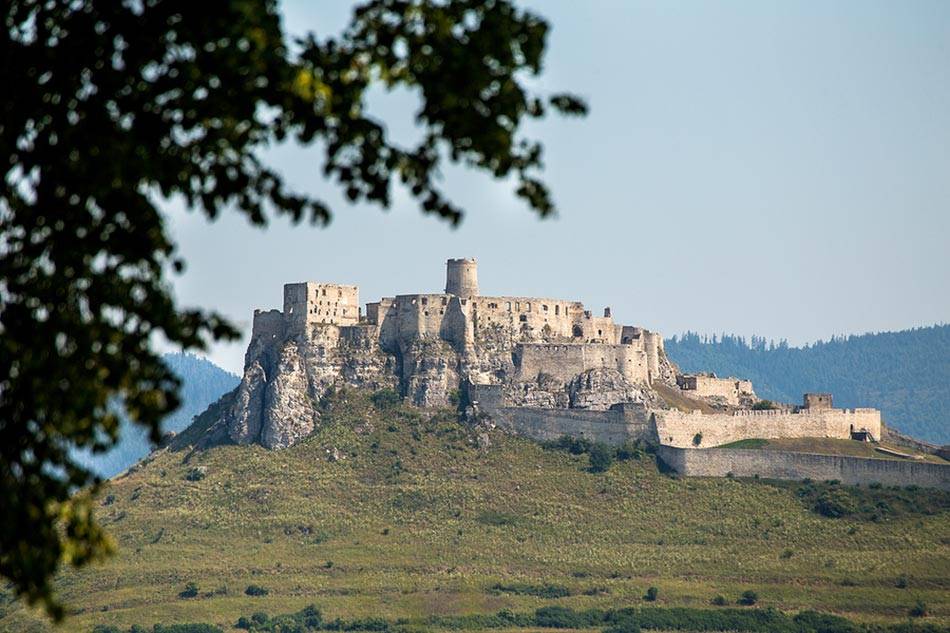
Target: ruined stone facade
{"x":541,"y":367}
{"x":432,"y":347}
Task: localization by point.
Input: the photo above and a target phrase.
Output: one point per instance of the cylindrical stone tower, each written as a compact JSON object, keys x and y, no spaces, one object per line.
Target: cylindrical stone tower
{"x":461,"y":277}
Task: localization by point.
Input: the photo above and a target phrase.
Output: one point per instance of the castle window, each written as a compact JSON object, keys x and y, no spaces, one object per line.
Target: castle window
{"x":425,"y":301}
{"x":577,"y":332}
{"x":463,"y":301}
{"x":339,"y":293}
{"x":518,"y":305}
{"x":324,"y":292}
{"x":509,"y":306}
{"x":444,"y":300}
{"x":599,"y":332}
{"x":441,"y":311}
{"x":544,"y":307}
{"x":425,"y":312}
{"x":557,"y":310}
{"x":344,"y":311}
{"x":528,"y":309}
{"x":523,"y":318}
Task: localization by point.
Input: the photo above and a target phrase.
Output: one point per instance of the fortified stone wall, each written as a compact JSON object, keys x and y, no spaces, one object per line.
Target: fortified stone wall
{"x":564,"y":361}
{"x":719,"y":462}
{"x":677,"y":428}
{"x":615,"y":426}
{"x":729,"y":389}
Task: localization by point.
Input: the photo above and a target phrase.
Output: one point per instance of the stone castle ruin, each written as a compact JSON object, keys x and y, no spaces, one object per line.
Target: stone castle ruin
{"x":539,"y":367}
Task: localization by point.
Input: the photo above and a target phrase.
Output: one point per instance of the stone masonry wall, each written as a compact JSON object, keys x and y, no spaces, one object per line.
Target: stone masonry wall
{"x":616,"y":426}
{"x":565,"y":361}
{"x":677,"y":428}
{"x":718,"y":462}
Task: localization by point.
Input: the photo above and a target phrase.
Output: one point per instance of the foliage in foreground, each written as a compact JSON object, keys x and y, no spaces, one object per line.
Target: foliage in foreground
{"x":120,"y":105}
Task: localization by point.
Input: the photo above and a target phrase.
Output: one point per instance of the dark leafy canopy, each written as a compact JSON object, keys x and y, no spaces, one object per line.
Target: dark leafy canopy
{"x":111,"y":106}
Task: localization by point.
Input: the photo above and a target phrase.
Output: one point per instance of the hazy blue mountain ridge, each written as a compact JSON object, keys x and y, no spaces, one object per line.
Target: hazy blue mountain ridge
{"x":906,"y":374}
{"x":202,"y":383}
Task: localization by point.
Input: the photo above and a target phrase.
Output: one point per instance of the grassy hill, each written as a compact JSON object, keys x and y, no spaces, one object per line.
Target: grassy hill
{"x":905,"y":374}
{"x":418,"y":517}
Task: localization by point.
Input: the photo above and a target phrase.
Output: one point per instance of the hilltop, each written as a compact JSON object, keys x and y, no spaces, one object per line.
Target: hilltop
{"x":392,"y":511}
{"x":904,"y":374}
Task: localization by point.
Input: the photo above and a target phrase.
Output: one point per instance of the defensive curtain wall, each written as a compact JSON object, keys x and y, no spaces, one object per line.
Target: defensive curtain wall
{"x":676,"y":428}
{"x":769,"y":464}
{"x":621,"y":423}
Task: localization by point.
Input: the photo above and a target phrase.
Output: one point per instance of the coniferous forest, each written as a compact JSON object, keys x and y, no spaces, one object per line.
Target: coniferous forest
{"x":905,"y":374}
{"x":202,"y":382}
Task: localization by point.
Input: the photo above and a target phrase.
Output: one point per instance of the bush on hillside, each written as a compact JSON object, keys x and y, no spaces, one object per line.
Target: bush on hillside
{"x":525,"y":589}
{"x":256,"y":590}
{"x":919,"y":610}
{"x":651,"y":594}
{"x":191,"y":590}
{"x":601,"y":457}
{"x":748,"y":598}
{"x":385,"y":399}
{"x":719,"y":601}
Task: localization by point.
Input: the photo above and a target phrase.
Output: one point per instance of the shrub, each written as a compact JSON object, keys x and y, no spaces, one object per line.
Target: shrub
{"x":719,"y":601}
{"x":748,"y":598}
{"x":601,"y":457}
{"x":259,"y":618}
{"x":105,"y":628}
{"x":196,"y":474}
{"x":524,"y":589}
{"x":823,"y":623}
{"x":630,"y":450}
{"x":763,"y":405}
{"x":243,"y":623}
{"x":901,"y":582}
{"x":651,"y":594}
{"x":786,"y":554}
{"x":624,"y":625}
{"x":191,"y":590}
{"x":256,"y":590}
{"x":559,"y":618}
{"x":833,"y":504}
{"x":385,"y":399}
{"x":919,"y":610}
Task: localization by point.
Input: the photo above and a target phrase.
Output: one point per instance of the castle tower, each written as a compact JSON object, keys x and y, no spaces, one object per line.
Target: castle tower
{"x":461,"y":277}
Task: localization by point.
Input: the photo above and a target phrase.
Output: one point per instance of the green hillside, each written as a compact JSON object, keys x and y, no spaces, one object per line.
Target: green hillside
{"x":905,"y":374}
{"x":418,"y":518}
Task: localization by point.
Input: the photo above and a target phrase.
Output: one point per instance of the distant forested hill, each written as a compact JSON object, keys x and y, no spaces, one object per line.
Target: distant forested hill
{"x":905,"y":374}
{"x":202,"y":382}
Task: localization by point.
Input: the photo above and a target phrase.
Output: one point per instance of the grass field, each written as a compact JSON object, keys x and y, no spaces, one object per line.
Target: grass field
{"x":830,"y":446}
{"x":416,"y":519}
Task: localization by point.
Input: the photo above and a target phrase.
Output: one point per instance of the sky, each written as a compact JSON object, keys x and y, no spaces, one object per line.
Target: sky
{"x":753,"y":167}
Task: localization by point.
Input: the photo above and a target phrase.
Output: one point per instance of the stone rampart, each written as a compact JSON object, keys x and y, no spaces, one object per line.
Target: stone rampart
{"x":565,"y":361}
{"x":769,"y":464}
{"x":620,"y":424}
{"x":677,"y":428}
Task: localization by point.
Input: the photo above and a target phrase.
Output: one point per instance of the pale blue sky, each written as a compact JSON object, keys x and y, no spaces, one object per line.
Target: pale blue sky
{"x":757,"y":167}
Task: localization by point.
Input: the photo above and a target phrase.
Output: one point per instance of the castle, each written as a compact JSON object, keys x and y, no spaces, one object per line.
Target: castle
{"x":541,"y":367}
